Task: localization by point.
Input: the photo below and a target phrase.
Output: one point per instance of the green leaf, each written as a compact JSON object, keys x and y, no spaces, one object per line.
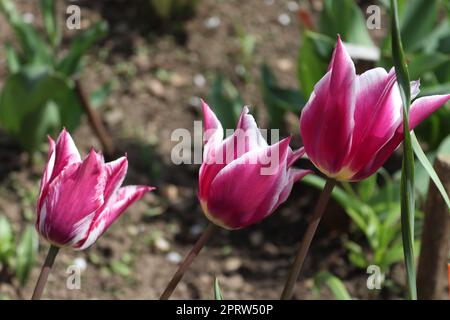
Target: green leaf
{"x":217,"y":291}
{"x":334,"y":284}
{"x":70,"y":64}
{"x":6,"y":240}
{"x":344,"y":17}
{"x":26,"y":254}
{"x":226,"y":101}
{"x":278,"y":100}
{"x":50,"y":21}
{"x":98,"y":97}
{"x":407,"y":179}
{"x":34,"y":102}
{"x":429,"y":168}
{"x":417,"y":22}
{"x":367,"y":188}
{"x":314,"y":54}
{"x":426,"y":62}
{"x":12,"y":59}
{"x":35,"y":50}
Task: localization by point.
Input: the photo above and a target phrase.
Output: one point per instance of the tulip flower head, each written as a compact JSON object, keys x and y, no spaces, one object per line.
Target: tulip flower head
{"x":242,"y":179}
{"x":79,"y":200}
{"x":353,"y":123}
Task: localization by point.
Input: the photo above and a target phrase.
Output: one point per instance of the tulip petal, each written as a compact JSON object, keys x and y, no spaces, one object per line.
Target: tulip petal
{"x":294,"y":175}
{"x":294,"y":155}
{"x":46,"y":175}
{"x":423,"y":107}
{"x":72,"y":200}
{"x":115,"y":174}
{"x":118,"y":203}
{"x":420,"y":110}
{"x":246,"y":137}
{"x":213,"y":131}
{"x":377,"y":116}
{"x":236,"y":203}
{"x":326,"y":122}
{"x":66,"y":153}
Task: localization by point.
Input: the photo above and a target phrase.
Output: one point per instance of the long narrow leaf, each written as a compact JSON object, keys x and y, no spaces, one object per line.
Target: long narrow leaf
{"x":407,"y":181}
{"x":429,"y":168}
{"x":217,"y":291}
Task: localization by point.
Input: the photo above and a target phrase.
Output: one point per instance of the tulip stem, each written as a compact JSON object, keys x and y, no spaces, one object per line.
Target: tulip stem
{"x":187,"y":261}
{"x":288,"y":290}
{"x":45,"y":271}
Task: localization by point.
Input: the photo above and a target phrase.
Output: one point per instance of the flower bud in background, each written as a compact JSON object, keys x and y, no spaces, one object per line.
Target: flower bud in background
{"x":353,"y":123}
{"x":242,"y":179}
{"x":79,"y":200}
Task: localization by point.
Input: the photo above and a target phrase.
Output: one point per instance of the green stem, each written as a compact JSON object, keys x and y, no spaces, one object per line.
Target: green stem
{"x":45,"y":271}
{"x":306,"y":241}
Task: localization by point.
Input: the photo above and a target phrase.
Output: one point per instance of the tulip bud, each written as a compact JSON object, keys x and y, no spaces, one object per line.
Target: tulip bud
{"x":242,"y":179}
{"x":79,"y":200}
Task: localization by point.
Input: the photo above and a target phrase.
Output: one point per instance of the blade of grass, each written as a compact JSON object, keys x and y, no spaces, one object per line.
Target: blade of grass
{"x":217,"y":291}
{"x":429,"y":168}
{"x":407,"y":180}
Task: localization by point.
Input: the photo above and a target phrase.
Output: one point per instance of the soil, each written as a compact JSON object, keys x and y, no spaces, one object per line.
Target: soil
{"x":154,"y":94}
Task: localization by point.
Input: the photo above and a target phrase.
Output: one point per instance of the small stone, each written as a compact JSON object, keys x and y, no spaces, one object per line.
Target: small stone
{"x":212,"y":22}
{"x":232,"y":264}
{"x":156,"y":87}
{"x":199,"y":80}
{"x":285,"y":64}
{"x":293,"y":6}
{"x":234,"y":282}
{"x":195,"y":230}
{"x":161,"y":244}
{"x":256,"y":238}
{"x":284,"y":19}
{"x":170,"y":192}
{"x":81,"y":263}
{"x":174,"y":257}
{"x":178,"y":80}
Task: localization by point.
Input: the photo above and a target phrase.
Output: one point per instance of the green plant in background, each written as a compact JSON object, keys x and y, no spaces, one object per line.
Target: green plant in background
{"x":170,"y":9}
{"x":17,"y":255}
{"x":425,"y":31}
{"x":226,"y":101}
{"x":375,"y":212}
{"x":333,"y":283}
{"x":278,"y":100}
{"x":217,"y":291}
{"x":38,"y":96}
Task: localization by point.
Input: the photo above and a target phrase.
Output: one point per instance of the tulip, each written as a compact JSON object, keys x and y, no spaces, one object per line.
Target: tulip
{"x":349,"y":127}
{"x":242,"y":179}
{"x":79,"y":200}
{"x":353,"y":123}
{"x":236,"y":192}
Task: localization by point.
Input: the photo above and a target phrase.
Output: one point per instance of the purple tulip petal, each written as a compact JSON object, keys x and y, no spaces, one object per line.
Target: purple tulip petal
{"x":46,"y":175}
{"x":377,"y":116}
{"x":118,"y":203}
{"x":423,"y":107}
{"x":66,"y":153}
{"x":72,"y":199}
{"x":326,"y":123}
{"x":115,"y":174}
{"x":243,"y":179}
{"x":420,"y":110}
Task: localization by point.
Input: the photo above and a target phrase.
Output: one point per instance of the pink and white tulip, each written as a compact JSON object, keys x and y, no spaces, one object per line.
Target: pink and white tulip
{"x":79,"y":200}
{"x":235,"y":190}
{"x":353,"y":123}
